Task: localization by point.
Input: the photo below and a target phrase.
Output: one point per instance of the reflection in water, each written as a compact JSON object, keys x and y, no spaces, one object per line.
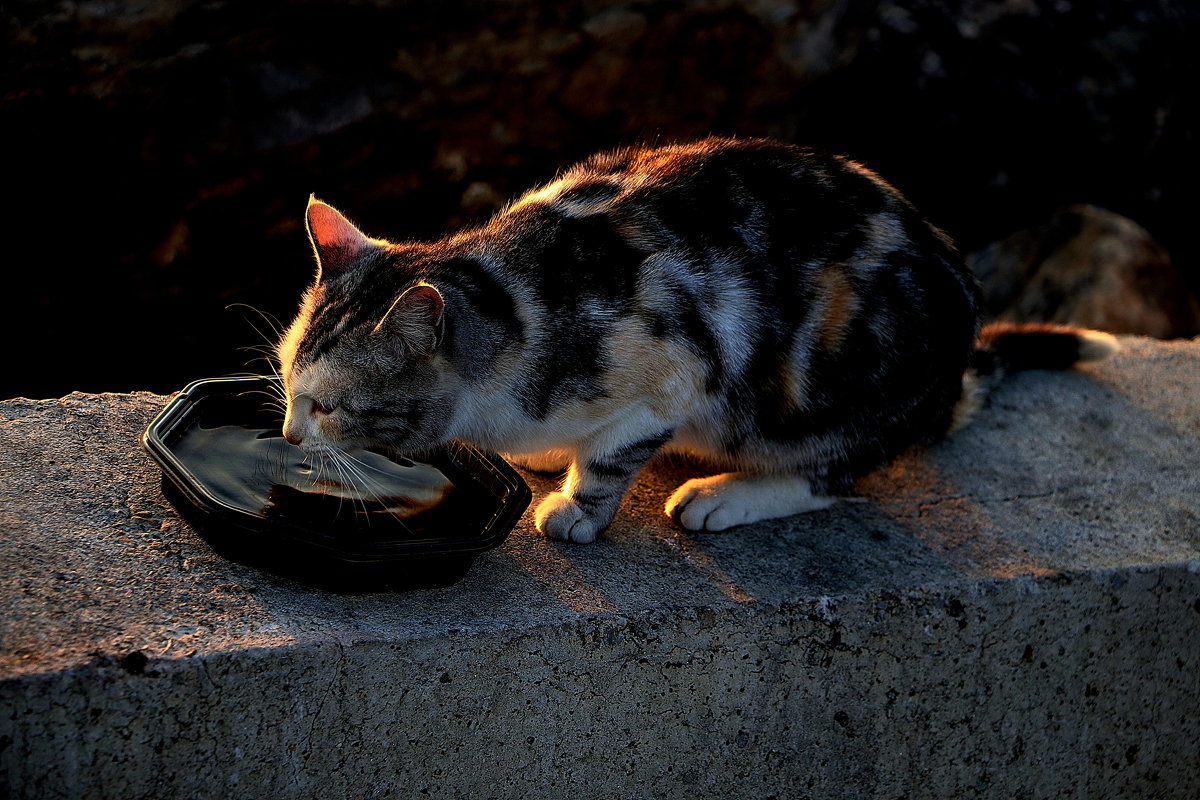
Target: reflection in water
{"x":259,"y":471}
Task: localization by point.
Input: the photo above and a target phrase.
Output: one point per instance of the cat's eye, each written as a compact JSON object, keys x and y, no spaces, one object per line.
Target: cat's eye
{"x":324,"y":409}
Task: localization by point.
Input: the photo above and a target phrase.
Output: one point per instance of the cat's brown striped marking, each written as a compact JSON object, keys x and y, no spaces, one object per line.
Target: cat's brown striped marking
{"x":839,"y":307}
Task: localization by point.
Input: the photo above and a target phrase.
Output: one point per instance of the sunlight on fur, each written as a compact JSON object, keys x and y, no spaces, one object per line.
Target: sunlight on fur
{"x":768,"y":307}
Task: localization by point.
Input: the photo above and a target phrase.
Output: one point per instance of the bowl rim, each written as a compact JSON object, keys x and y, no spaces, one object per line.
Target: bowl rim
{"x":204,"y":505}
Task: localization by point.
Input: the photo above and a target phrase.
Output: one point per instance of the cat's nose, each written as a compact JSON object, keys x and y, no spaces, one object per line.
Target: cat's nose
{"x":293,"y":438}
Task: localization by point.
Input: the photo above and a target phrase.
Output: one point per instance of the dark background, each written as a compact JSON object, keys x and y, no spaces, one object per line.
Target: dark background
{"x":158,"y":156}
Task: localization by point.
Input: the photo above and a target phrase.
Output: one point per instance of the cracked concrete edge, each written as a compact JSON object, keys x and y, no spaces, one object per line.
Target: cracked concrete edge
{"x":955,"y":691}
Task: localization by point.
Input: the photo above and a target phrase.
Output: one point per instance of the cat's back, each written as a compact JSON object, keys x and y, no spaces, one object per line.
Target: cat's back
{"x":759,"y":204}
{"x":712,"y":185}
{"x":776,"y":223}
{"x":779,"y":277}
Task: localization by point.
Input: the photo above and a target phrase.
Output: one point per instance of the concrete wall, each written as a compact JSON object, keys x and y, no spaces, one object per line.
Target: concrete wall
{"x":1014,"y":613}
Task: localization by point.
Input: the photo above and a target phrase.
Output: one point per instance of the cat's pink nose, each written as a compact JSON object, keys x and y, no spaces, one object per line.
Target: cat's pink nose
{"x":293,"y":438}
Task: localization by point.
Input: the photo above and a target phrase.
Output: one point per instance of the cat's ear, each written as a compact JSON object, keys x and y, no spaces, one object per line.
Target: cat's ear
{"x":335,"y":240}
{"x":416,"y":320}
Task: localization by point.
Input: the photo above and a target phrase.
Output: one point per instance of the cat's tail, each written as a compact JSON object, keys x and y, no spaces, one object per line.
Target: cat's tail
{"x":1005,"y":347}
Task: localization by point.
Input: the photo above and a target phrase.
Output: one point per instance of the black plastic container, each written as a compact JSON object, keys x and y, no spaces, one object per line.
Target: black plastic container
{"x":321,"y":541}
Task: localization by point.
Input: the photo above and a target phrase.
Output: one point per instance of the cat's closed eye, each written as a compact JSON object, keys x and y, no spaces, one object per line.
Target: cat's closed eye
{"x":323,"y":408}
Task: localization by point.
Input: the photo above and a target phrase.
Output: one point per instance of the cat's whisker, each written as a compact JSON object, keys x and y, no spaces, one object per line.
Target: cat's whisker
{"x":371,"y":488}
{"x":322,"y":461}
{"x":360,"y":497}
{"x":277,"y":397}
{"x":271,"y":321}
{"x":267,"y":393}
{"x":364,"y":464}
{"x":357,"y":477}
{"x":330,"y":460}
{"x":268,"y":351}
{"x":266,"y":358}
{"x":361,"y":467}
{"x":273,"y":401}
{"x":262,"y":349}
{"x":342,"y":481}
{"x":365,"y":489}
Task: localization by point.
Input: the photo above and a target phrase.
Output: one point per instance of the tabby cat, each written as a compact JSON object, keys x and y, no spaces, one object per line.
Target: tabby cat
{"x":786,"y":315}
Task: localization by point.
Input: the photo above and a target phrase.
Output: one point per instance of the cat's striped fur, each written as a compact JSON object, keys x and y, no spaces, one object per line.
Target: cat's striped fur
{"x":785,"y":314}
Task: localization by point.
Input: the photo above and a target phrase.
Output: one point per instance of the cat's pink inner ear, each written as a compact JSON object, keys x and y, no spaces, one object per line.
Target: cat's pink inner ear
{"x":336,"y":242}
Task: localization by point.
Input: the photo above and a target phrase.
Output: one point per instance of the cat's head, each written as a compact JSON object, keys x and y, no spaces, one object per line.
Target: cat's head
{"x":362,"y":363}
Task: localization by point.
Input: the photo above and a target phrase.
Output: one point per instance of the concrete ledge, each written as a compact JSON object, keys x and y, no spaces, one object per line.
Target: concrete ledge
{"x":1014,"y":613}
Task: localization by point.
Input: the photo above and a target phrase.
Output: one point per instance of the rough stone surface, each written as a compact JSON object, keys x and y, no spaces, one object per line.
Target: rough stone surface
{"x":1013,"y":613}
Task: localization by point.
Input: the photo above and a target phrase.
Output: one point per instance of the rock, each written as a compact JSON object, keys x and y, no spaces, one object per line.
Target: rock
{"x":1089,"y":267}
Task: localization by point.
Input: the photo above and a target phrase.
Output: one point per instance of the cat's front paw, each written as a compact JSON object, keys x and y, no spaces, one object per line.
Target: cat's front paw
{"x":560,"y":518}
{"x":736,"y":498}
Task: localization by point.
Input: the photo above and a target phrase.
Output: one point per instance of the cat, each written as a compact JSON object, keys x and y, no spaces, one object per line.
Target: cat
{"x":783,"y":314}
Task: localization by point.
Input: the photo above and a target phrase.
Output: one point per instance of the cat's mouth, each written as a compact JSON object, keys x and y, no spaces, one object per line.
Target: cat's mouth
{"x":319,"y":450}
{"x":318,"y":453}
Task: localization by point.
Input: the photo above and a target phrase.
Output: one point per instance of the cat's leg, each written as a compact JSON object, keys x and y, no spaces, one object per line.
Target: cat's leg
{"x":737,"y":498}
{"x":547,"y":461}
{"x":596,"y":481}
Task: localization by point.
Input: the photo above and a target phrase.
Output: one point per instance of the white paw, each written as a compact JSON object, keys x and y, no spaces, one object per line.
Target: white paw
{"x":735,"y":498}
{"x":548,"y":461}
{"x":559,"y":518}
